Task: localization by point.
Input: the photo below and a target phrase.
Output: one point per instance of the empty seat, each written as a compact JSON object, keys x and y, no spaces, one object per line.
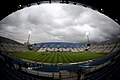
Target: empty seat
{"x":74,"y":50}
{"x":58,"y":49}
{"x":50,"y":49}
{"x":66,"y":49}
{"x":42,"y":50}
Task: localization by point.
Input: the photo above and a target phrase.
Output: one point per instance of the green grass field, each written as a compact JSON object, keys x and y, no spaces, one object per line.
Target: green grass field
{"x":58,"y":57}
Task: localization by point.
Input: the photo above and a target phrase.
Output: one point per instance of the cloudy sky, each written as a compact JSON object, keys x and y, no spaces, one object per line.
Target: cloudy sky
{"x":58,"y":22}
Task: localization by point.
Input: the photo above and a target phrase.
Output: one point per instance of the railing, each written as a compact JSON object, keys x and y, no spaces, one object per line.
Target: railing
{"x":104,"y":72}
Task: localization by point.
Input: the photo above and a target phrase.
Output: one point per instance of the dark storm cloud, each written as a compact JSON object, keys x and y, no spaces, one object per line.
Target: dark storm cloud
{"x":58,"y":22}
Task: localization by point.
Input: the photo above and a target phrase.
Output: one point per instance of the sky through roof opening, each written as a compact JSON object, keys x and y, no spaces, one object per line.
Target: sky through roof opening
{"x":58,"y":23}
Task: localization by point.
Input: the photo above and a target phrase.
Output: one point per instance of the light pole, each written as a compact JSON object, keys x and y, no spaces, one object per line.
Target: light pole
{"x":88,"y":42}
{"x":87,"y":34}
{"x":28,"y":37}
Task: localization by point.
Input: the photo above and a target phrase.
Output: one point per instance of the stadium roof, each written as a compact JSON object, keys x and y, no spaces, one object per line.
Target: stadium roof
{"x":108,"y":7}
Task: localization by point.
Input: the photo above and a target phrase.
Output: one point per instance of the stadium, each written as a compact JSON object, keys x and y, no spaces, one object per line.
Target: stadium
{"x":64,"y":53}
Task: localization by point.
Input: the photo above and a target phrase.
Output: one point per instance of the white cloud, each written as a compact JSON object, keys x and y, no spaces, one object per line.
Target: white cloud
{"x":58,"y":22}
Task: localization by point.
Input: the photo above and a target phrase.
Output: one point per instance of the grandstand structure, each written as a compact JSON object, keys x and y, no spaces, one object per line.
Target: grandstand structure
{"x":101,"y":47}
{"x":109,"y":46}
{"x":8,"y":45}
{"x":60,"y":47}
{"x":39,"y":70}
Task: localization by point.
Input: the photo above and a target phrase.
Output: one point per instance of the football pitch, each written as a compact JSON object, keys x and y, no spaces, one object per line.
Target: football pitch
{"x":58,"y":57}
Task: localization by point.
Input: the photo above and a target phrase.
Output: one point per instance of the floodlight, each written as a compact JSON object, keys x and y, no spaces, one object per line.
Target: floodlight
{"x":29,"y":32}
{"x":87,"y":33}
{"x":28,"y":37}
